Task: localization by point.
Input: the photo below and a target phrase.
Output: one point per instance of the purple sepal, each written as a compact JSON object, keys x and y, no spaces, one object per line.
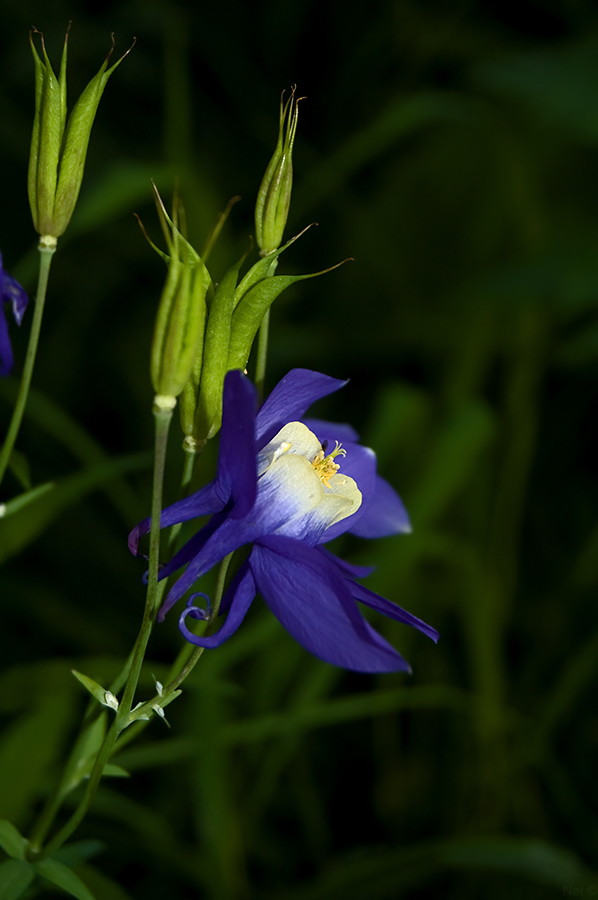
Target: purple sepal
{"x":311,"y":600}
{"x":384,"y":606}
{"x":13,"y":295}
{"x":290,"y":399}
{"x":243,"y":590}
{"x":382,"y":514}
{"x":237,"y":469}
{"x":203,"y":503}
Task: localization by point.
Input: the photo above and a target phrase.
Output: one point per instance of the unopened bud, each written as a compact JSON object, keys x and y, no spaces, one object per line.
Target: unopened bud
{"x":274,"y":196}
{"x":180,"y":323}
{"x":58,"y":147}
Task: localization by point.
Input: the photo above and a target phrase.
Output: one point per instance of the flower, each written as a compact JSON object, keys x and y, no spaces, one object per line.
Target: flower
{"x":281,"y":490}
{"x":11,"y":294}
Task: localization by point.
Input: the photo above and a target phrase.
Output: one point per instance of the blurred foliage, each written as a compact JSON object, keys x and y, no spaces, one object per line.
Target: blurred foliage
{"x":451,"y":149}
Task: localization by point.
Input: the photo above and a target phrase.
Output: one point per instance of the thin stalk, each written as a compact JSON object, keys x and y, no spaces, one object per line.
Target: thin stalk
{"x":190,"y":457}
{"x":45,"y":260}
{"x":188,"y":660}
{"x":262,"y":344}
{"x":162,"y":417}
{"x":262,"y":355}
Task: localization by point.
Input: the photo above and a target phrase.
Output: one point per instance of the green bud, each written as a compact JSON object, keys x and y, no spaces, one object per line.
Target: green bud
{"x":58,"y":148}
{"x":208,"y":416}
{"x":180,"y":323}
{"x":274,"y":195}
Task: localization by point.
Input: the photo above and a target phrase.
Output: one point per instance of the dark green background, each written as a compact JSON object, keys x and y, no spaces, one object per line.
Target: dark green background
{"x":451,"y":149}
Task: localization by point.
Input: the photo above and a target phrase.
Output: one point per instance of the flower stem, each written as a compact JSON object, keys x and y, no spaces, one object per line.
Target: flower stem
{"x":190,"y":457}
{"x":162,"y":417}
{"x":262,"y":355}
{"x":187,"y":658}
{"x":45,"y":259}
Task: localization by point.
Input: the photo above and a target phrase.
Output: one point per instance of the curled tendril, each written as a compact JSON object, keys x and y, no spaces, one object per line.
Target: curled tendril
{"x":198,"y":612}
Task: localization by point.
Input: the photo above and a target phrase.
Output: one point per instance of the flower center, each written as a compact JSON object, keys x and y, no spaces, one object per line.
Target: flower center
{"x":325,"y":465}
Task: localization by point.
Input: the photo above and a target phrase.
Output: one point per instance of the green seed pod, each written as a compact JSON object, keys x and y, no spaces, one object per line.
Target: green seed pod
{"x":180,"y":323}
{"x":274,"y":195}
{"x":58,"y":147}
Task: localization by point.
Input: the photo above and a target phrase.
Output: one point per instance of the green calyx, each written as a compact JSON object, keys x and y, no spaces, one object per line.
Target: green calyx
{"x":179,"y":330}
{"x":58,"y":147}
{"x":274,"y":195}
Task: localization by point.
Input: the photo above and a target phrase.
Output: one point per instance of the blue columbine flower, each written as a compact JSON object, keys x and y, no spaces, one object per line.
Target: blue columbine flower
{"x":286,"y":486}
{"x":11,"y":294}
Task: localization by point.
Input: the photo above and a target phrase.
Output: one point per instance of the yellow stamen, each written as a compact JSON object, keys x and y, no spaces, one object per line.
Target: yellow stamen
{"x":325,"y":465}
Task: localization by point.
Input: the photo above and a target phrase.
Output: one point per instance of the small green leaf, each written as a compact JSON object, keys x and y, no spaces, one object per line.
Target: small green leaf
{"x":84,"y":754}
{"x":30,"y":747}
{"x":15,"y":877}
{"x":101,"y":694}
{"x":105,"y":888}
{"x":72,"y":855}
{"x":116,"y":771}
{"x":39,"y":512}
{"x":11,"y":840}
{"x":17,"y":503}
{"x":19,"y":466}
{"x":253,"y":307}
{"x":63,"y":877}
{"x":215,"y":354}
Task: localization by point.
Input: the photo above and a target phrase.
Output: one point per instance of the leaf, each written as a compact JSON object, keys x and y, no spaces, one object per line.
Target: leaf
{"x":58,"y":424}
{"x":85,"y":753}
{"x":560,"y":84}
{"x":15,"y":877}
{"x":116,"y":192}
{"x":158,"y":753}
{"x":533,"y":858}
{"x":72,"y":855}
{"x":95,"y":689}
{"x":19,"y":466}
{"x":449,"y":468}
{"x":251,"y":310}
{"x":63,"y":877}
{"x":103,"y":887}
{"x":11,"y":840}
{"x":346,"y":709}
{"x":116,"y":771}
{"x":401,"y":118}
{"x":29,"y":748}
{"x":30,"y":521}
{"x":22,"y":500}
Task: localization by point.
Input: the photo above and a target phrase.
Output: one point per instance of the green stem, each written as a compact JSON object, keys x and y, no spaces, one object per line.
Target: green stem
{"x":46,"y":254}
{"x":162,"y":417}
{"x":190,"y":457}
{"x":262,"y":354}
{"x":186,"y":658}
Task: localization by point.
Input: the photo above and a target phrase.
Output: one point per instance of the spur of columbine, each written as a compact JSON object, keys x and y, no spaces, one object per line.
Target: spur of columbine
{"x":13,"y":296}
{"x":286,"y":486}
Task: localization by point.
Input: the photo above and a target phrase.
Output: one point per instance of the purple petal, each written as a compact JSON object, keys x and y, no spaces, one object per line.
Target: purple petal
{"x":375,"y":601}
{"x":311,"y":600}
{"x":347,"y":569}
{"x":192,"y":547}
{"x":359,"y":464}
{"x":13,"y":293}
{"x":237,"y":472}
{"x":332,"y":431}
{"x":6,"y":357}
{"x":290,"y":399}
{"x":243,"y":590}
{"x":271,"y":511}
{"x":203,"y":503}
{"x":383,"y":513}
